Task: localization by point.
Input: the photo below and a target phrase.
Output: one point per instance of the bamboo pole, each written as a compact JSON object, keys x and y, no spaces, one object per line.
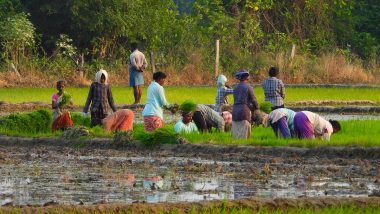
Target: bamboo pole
{"x":217,"y":58}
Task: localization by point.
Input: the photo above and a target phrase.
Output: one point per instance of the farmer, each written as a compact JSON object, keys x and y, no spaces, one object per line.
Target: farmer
{"x":156,"y":101}
{"x":244,"y":102}
{"x":281,"y":121}
{"x":309,"y":125}
{"x":137,"y":64}
{"x":121,"y":120}
{"x":222,"y":92}
{"x":205,"y":118}
{"x":185,"y":125}
{"x":61,"y":118}
{"x":274,"y":89}
{"x":100,"y":97}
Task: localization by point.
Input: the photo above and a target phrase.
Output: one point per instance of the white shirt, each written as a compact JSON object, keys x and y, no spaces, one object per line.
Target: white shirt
{"x":322,"y":128}
{"x":155,"y":101}
{"x":137,"y":60}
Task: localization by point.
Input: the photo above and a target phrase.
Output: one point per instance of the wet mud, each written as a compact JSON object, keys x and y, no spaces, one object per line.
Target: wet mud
{"x":51,"y":171}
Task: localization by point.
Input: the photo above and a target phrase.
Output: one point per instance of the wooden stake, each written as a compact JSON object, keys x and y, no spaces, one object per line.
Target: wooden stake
{"x":217,"y":59}
{"x":152,"y":61}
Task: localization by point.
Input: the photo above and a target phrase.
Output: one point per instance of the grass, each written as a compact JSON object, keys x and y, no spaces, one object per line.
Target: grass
{"x":354,"y":133}
{"x":205,"y":95}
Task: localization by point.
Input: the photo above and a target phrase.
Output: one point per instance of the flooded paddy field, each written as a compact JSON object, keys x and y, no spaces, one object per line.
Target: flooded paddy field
{"x":50,"y":171}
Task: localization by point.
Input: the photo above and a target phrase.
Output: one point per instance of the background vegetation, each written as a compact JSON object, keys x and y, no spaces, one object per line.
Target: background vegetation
{"x":42,"y":41}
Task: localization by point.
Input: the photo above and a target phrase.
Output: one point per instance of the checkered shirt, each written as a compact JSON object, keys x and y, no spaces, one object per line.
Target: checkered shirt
{"x":100,"y":95}
{"x":221,"y":97}
{"x":274,"y":91}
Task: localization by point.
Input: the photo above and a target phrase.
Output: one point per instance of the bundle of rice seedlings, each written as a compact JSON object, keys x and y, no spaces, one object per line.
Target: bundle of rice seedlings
{"x":122,"y":137}
{"x":188,"y":106}
{"x":34,"y":122}
{"x":64,"y":99}
{"x":159,"y":136}
{"x":266,"y":107}
{"x":75,"y":132}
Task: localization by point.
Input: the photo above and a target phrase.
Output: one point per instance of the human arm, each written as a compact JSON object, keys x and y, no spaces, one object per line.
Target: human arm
{"x":89,"y":98}
{"x":162,"y":99}
{"x":110,"y":99}
{"x":252,"y":101}
{"x":228,"y":90}
{"x":54,"y":101}
{"x":282,"y":89}
{"x":145,"y":63}
{"x":133,"y":61}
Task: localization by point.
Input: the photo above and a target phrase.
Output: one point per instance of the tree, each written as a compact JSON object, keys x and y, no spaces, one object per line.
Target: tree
{"x":17,"y":36}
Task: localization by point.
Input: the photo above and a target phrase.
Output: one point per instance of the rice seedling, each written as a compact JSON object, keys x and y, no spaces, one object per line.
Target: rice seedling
{"x":203,"y":95}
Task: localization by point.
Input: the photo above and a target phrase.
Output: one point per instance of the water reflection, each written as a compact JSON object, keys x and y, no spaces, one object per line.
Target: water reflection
{"x":94,"y":180}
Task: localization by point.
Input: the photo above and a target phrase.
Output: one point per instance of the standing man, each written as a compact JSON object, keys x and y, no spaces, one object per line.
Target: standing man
{"x":274,"y":89}
{"x":137,"y":64}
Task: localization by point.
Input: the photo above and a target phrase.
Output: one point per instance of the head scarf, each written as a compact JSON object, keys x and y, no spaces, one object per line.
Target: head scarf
{"x":221,"y":81}
{"x":242,"y":75}
{"x":98,"y":76}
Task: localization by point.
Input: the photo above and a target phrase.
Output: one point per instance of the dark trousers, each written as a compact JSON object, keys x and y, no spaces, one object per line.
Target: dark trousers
{"x":201,"y":123}
{"x":97,"y":116}
{"x":281,"y":126}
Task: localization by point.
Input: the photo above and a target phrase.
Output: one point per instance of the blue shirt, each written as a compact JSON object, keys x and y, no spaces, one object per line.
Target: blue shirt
{"x":155,"y":101}
{"x":180,"y":127}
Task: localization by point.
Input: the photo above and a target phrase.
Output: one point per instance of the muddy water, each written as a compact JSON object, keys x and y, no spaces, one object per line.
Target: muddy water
{"x":37,"y":176}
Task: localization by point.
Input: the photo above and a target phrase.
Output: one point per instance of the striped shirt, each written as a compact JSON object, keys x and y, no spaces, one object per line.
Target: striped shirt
{"x":274,"y":91}
{"x":221,"y":97}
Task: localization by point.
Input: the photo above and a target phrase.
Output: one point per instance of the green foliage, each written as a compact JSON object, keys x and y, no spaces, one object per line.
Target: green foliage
{"x":16,"y":36}
{"x":266,"y":107}
{"x":160,"y":136}
{"x":103,"y":30}
{"x":188,"y":106}
{"x":35,"y":122}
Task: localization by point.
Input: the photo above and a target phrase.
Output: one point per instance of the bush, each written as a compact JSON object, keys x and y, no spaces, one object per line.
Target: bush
{"x":35,"y":122}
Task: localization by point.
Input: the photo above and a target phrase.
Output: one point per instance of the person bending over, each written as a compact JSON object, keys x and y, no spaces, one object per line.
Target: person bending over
{"x":309,"y":125}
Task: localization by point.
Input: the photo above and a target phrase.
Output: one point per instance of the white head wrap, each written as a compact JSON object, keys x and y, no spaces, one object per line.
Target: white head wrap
{"x":221,"y":81}
{"x":98,"y":76}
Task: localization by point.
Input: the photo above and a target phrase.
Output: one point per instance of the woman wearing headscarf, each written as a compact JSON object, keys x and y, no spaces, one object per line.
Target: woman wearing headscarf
{"x":244,"y":102}
{"x":222,"y":92}
{"x":100,"y":97}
